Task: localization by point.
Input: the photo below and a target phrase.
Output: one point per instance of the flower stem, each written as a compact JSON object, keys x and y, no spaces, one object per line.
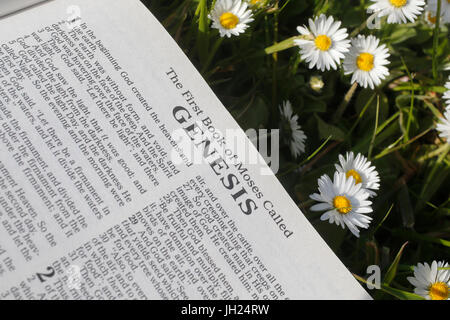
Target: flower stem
{"x":411,"y":106}
{"x":312,"y":155}
{"x":341,"y":109}
{"x":283,"y":45}
{"x":275,"y":60}
{"x":212,"y":54}
{"x":202,"y":38}
{"x":436,"y":39}
{"x":369,"y":155}
{"x":359,"y":29}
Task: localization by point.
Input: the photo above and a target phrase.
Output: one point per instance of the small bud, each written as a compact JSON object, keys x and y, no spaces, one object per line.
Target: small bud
{"x":316,"y":83}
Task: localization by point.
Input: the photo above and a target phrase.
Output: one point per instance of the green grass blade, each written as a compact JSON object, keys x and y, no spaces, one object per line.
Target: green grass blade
{"x":202,"y":38}
{"x":400,"y":294}
{"x":392,"y":271}
{"x":436,"y":39}
{"x":369,"y":155}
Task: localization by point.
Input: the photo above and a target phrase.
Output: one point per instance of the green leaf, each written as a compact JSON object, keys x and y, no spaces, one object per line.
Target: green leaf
{"x":436,"y":176}
{"x":363,"y":98}
{"x":412,"y":235}
{"x":392,"y":271}
{"x":255,"y":116}
{"x":405,"y":206}
{"x":314,"y":105}
{"x":375,"y":229}
{"x":326,"y":130}
{"x":203,"y":28}
{"x":403,"y":101}
{"x":402,"y":33}
{"x":400,"y":294}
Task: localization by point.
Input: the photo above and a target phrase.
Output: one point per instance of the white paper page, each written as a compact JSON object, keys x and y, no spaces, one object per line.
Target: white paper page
{"x":9,"y":6}
{"x":92,"y":204}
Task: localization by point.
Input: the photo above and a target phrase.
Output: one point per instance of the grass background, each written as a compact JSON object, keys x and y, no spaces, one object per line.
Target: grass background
{"x":394,"y":125}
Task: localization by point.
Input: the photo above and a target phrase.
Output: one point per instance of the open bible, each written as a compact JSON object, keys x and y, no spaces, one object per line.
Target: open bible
{"x":117,"y":180}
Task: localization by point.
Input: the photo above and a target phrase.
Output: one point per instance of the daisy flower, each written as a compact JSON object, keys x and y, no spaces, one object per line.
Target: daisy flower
{"x":445,"y":9}
{"x":345,"y":202}
{"x":230,"y":17}
{"x":323,"y":44}
{"x":359,"y":168}
{"x":256,"y":3}
{"x":431,"y":282}
{"x":366,"y":60}
{"x":296,"y":136}
{"x":444,"y":126}
{"x":430,"y":18}
{"x":398,"y":11}
{"x":446,"y":95}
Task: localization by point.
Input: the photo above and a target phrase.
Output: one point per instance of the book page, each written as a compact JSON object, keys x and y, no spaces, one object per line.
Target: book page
{"x":10,"y":6}
{"x":118,"y":179}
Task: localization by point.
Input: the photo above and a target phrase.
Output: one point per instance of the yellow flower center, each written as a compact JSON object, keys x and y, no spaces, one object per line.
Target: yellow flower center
{"x":355,"y":175}
{"x":323,"y":42}
{"x":365,"y":61}
{"x":342,"y":204}
{"x":256,"y":1}
{"x":439,"y":291}
{"x":229,"y":20}
{"x":398,"y":3}
{"x":432,"y":18}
